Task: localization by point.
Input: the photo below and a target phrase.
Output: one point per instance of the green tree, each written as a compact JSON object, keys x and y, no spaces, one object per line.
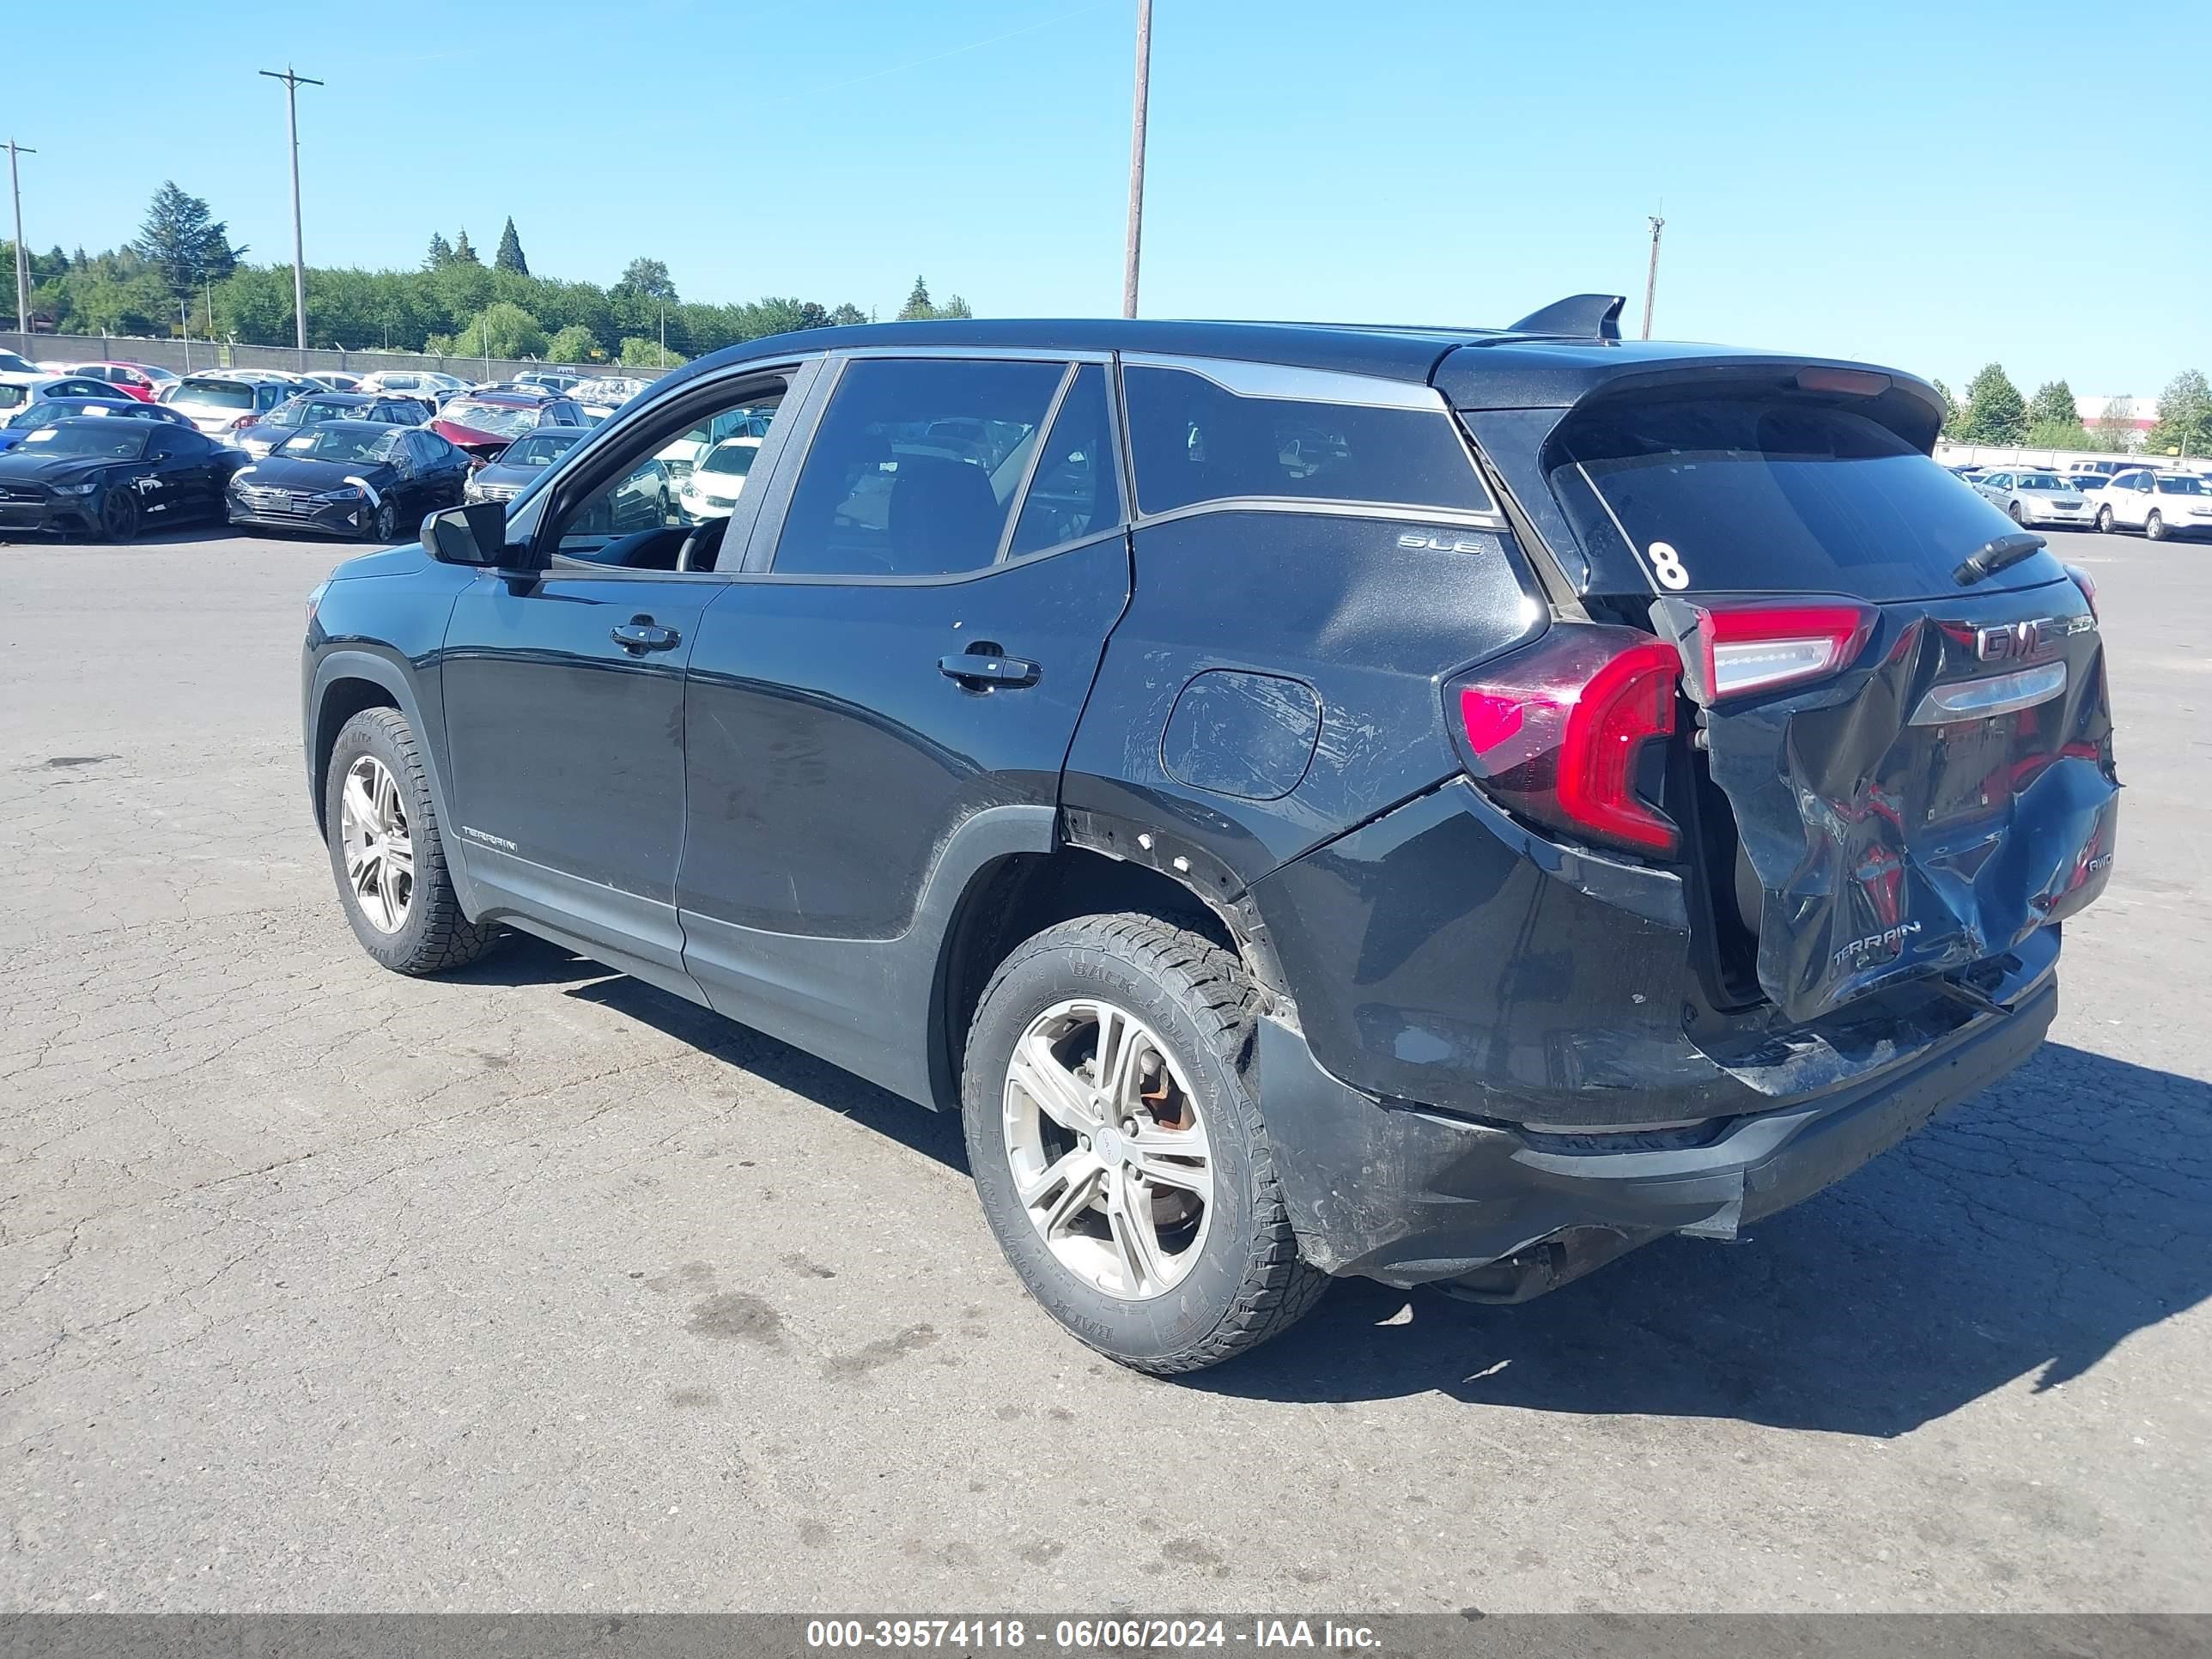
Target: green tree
{"x":638,"y":352}
{"x":180,"y":237}
{"x":648,"y":279}
{"x":463,"y":252}
{"x":846,"y":315}
{"x":2184,"y":417}
{"x":502,"y":329}
{"x":917,"y":307}
{"x":1994,"y":412}
{"x":509,"y":257}
{"x":2114,"y":432}
{"x":2053,"y":405}
{"x":573,"y":345}
{"x":1951,"y":413}
{"x":441,"y":253}
{"x":955,"y":307}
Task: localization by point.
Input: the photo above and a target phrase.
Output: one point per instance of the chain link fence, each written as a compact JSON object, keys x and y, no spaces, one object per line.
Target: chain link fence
{"x":185,"y":356}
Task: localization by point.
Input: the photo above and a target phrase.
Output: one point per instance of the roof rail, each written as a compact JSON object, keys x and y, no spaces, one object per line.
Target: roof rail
{"x":1586,"y":316}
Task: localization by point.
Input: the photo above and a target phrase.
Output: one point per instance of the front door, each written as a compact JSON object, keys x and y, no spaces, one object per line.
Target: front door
{"x":911,"y":653}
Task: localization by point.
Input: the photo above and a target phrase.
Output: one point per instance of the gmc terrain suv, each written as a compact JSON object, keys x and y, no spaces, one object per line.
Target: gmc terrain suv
{"x":1447,"y":805}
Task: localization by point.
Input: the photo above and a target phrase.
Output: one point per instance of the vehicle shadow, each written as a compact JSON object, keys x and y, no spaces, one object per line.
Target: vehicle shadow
{"x":2028,"y":1231}
{"x":526,"y":960}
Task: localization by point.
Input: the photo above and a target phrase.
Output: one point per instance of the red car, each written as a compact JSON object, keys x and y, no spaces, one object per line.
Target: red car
{"x":485,"y":423}
{"x":140,"y":380}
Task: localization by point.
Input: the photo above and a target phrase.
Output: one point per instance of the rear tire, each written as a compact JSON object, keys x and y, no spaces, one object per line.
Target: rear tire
{"x":2155,"y":526}
{"x":386,"y":854}
{"x":2104,"y":521}
{"x":1228,"y":1275}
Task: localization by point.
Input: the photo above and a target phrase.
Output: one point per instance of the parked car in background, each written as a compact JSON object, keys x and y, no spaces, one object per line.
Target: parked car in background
{"x":485,"y":423}
{"x":331,"y":379}
{"x":224,"y":401}
{"x":15,"y":363}
{"x":2100,"y":469}
{"x":684,"y":452}
{"x":2030,"y":497}
{"x":350,"y":478}
{"x":421,"y":382}
{"x":51,"y":411}
{"x":712,"y":489}
{"x":294,"y":415}
{"x":140,"y":380}
{"x":112,"y":478}
{"x":553,"y":380}
{"x":515,"y":468}
{"x":602,"y":397}
{"x":19,"y":392}
{"x":2159,"y":504}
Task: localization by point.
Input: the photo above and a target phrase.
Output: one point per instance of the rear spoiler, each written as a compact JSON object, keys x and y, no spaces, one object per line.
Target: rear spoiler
{"x":1579,"y":316}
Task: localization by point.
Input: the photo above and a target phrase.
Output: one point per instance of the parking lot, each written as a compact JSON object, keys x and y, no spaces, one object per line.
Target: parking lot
{"x":534,"y":1287}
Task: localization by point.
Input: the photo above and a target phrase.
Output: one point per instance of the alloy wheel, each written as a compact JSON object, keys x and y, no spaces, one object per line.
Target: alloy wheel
{"x":2154,"y":527}
{"x":118,"y":515}
{"x":379,"y":854}
{"x":1109,"y":1151}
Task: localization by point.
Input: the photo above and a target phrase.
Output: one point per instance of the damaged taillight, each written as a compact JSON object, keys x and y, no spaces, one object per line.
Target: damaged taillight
{"x":2083,"y":580}
{"x":1555,"y":734}
{"x":1743,"y":648}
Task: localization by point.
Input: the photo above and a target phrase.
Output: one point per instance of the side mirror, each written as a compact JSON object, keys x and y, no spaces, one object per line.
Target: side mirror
{"x":475,"y":534}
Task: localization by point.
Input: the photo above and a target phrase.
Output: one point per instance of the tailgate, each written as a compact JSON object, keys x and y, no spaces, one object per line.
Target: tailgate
{"x":1900,"y":697}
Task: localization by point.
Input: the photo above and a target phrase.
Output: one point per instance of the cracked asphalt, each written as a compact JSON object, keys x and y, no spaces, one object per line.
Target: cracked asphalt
{"x":532,"y":1288}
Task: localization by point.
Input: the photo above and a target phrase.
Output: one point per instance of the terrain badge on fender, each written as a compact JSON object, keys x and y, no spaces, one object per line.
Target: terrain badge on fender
{"x":500,"y":842}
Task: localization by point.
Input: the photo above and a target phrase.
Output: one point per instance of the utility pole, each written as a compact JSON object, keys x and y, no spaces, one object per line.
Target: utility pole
{"x":23,"y":260}
{"x":1133,"y":247}
{"x":1651,"y":277}
{"x":292,"y":84}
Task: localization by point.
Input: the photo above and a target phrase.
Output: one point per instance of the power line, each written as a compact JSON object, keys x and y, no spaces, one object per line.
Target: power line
{"x":292,"y":84}
{"x":1133,"y":246}
{"x":23,"y":260}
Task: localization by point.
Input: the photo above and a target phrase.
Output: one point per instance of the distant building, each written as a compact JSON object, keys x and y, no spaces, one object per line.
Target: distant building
{"x":2141,"y":414}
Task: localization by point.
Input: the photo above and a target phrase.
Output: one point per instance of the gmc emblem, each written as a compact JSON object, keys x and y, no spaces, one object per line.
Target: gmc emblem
{"x":2029,"y":642}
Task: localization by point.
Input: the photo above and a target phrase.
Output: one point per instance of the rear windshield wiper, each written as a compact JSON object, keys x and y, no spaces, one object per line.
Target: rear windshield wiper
{"x":1995,"y":554}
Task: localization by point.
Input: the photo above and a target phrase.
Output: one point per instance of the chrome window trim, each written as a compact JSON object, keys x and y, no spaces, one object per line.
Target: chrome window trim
{"x":1245,"y":378}
{"x":1315,"y":507}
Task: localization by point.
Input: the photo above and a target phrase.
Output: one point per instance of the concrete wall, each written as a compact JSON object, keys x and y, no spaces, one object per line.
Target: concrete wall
{"x":185,"y":354}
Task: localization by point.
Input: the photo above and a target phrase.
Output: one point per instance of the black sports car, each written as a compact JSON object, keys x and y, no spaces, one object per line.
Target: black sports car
{"x":351,"y":478}
{"x":111,"y":478}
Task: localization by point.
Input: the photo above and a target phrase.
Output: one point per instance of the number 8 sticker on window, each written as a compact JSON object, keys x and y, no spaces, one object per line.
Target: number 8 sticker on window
{"x":1667,"y":566}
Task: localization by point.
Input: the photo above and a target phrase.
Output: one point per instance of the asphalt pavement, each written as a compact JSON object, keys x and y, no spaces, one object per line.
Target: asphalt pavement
{"x":535,"y":1288}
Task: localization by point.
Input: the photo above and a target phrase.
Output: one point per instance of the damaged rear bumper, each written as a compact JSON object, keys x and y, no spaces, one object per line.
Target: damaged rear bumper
{"x":1410,"y":1196}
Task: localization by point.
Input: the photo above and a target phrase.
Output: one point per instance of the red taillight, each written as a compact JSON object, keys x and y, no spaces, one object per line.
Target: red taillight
{"x":1555,"y":731}
{"x":245,"y":420}
{"x":1743,"y":648}
{"x":2087,"y":584}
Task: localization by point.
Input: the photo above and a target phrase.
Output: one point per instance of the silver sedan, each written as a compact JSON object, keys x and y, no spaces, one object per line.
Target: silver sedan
{"x":2035,"y":497}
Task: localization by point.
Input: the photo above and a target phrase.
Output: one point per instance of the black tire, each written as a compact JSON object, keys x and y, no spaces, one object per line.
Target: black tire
{"x":2104,"y":521}
{"x":383,"y":523}
{"x":435,"y":937}
{"x":2012,"y":511}
{"x":120,"y":517}
{"x":2155,"y":526}
{"x":1248,"y":1283}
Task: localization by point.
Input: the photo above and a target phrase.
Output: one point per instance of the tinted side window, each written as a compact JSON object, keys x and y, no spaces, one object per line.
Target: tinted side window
{"x":1194,"y":440}
{"x":914,"y":469}
{"x":1074,"y":492}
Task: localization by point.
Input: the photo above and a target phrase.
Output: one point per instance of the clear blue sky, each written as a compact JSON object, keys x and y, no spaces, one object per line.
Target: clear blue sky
{"x":1912,"y":181}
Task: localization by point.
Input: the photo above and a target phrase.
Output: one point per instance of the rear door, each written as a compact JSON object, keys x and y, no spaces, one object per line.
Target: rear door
{"x":903,"y":651}
{"x":1900,"y":698}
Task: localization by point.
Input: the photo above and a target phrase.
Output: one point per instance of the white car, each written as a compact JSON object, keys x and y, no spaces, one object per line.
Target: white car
{"x":415,"y":382}
{"x":222,"y":400}
{"x":18,"y":391}
{"x":712,"y":488}
{"x":2159,"y":504}
{"x":601,"y":398}
{"x":2032,"y":495}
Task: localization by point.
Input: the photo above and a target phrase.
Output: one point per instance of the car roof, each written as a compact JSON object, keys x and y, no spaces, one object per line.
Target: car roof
{"x":377,"y":427}
{"x":551,"y":430}
{"x":1474,"y":366}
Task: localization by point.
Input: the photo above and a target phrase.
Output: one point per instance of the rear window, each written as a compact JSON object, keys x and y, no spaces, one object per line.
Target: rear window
{"x":1194,"y":440}
{"x":217,"y":394}
{"x":1758,"y":495}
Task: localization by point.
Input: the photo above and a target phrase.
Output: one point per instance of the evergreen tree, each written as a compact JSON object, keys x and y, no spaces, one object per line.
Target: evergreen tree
{"x":2053,"y":406}
{"x":917,"y":307}
{"x":441,"y":253}
{"x":463,"y":253}
{"x":509,"y":257}
{"x":1951,"y":413}
{"x":1995,"y":413}
{"x":188,"y":245}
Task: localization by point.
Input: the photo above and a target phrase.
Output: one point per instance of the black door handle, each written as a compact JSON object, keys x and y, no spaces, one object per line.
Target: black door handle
{"x":641,"y":634}
{"x":981,"y":669}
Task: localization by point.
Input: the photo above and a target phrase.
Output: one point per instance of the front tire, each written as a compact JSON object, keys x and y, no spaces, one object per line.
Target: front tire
{"x":383,"y":523}
{"x":1118,"y":1151}
{"x":386,"y":854}
{"x":118,"y":515}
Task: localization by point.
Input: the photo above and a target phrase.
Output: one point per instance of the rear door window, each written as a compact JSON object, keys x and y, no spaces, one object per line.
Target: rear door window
{"x":1074,"y":492}
{"x":914,"y":469}
{"x":1756,"y":495}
